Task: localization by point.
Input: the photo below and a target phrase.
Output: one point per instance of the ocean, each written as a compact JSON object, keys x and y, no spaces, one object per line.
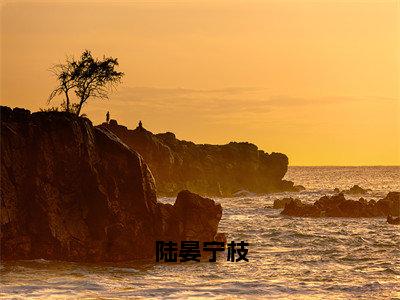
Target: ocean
{"x":299,"y":258}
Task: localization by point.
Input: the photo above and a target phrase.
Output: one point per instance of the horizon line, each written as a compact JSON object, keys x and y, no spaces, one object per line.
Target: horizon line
{"x":343,"y":165}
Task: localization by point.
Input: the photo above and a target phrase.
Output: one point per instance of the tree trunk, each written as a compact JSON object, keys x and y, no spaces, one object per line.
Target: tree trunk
{"x":67,"y":100}
{"x":66,"y":89}
{"x":78,"y":112}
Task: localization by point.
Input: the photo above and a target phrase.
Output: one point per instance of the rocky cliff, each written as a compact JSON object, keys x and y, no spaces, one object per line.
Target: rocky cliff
{"x":71,"y":191}
{"x":219,"y":170}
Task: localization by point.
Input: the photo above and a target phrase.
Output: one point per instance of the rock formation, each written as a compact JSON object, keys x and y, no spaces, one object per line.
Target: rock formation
{"x":192,"y":217}
{"x":243,"y":193}
{"x":298,"y":188}
{"x":356,"y":190}
{"x":393,"y":221}
{"x":281,"y":203}
{"x":219,"y":170}
{"x":71,"y":191}
{"x":339,"y":206}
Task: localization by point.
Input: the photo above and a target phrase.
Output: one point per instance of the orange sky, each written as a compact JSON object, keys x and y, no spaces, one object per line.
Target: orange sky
{"x":317,"y":80}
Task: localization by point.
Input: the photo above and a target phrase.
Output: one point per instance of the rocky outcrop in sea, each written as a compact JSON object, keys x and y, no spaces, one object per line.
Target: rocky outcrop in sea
{"x":71,"y":191}
{"x":281,"y":203}
{"x":217,"y":170}
{"x":339,"y":206}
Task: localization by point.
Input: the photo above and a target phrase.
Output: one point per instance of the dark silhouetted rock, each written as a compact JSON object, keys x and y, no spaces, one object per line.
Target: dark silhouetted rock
{"x":363,"y":201}
{"x":298,"y":188}
{"x":218,"y":170}
{"x":220,"y":237}
{"x":243,"y":193}
{"x":393,"y":221}
{"x":70,"y":191}
{"x":299,"y":209}
{"x":336,"y":191}
{"x":280,"y":203}
{"x":356,"y":190}
{"x":182,"y":221}
{"x":339,"y":206}
{"x":390,"y":205}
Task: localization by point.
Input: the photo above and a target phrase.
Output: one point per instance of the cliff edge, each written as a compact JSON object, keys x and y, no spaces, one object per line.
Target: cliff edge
{"x":71,"y":191}
{"x":217,"y":170}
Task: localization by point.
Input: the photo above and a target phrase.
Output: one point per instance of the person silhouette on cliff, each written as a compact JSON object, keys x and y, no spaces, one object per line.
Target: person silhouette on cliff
{"x":140,"y":126}
{"x":108,"y":117}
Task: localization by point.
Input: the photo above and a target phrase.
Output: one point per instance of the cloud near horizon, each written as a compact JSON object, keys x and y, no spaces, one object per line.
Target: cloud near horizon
{"x":276,"y":123}
{"x":250,"y":106}
{"x":285,"y":75}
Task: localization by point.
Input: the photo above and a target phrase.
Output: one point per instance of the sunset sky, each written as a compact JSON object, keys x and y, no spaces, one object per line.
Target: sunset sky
{"x":316,"y":80}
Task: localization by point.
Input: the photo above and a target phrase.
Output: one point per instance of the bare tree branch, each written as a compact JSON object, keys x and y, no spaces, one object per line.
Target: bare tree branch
{"x":87,"y":77}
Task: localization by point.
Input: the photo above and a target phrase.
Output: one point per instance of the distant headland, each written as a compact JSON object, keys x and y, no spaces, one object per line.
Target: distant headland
{"x":71,"y":191}
{"x":214,"y":170}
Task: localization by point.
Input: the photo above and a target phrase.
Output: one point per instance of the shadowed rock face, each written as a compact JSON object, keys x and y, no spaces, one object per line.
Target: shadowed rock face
{"x":219,"y":170}
{"x":281,"y":203}
{"x":356,"y":190}
{"x":393,"y":221}
{"x":184,"y":220}
{"x":339,"y":206}
{"x":70,"y":191}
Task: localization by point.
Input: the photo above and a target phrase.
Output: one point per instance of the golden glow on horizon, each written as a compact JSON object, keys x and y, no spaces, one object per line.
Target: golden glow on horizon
{"x":318,"y":81}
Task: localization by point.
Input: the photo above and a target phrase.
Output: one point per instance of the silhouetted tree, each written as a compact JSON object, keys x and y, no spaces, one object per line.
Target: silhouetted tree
{"x":66,"y":81}
{"x":87,"y":77}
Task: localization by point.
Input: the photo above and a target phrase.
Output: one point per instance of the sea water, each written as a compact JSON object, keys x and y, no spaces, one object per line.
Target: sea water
{"x":338,"y":258}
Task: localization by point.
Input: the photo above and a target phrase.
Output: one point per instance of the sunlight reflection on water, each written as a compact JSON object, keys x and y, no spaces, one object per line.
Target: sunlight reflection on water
{"x":289,"y":257}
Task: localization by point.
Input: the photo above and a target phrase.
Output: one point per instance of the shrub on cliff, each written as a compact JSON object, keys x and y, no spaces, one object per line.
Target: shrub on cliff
{"x":86,"y":77}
